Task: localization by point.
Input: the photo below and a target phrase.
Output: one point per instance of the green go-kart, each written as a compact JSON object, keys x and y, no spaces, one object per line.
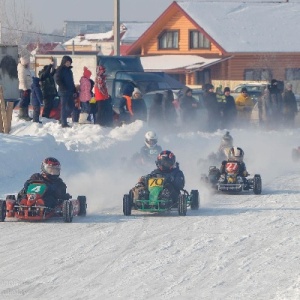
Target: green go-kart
{"x":157,"y":199}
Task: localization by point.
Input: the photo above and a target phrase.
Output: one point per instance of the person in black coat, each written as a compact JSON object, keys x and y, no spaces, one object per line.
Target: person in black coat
{"x":139,"y":107}
{"x":213,"y":107}
{"x":36,"y":99}
{"x":156,"y":116}
{"x":66,"y":88}
{"x":228,"y":108}
{"x":189,"y":106}
{"x":48,"y":88}
{"x":290,"y":108}
{"x":169,"y":109}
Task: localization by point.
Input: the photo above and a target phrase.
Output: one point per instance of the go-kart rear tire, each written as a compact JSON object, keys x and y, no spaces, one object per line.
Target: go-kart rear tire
{"x":2,"y":210}
{"x":82,"y":205}
{"x":194,"y":200}
{"x":127,"y":205}
{"x":182,"y":206}
{"x":257,"y":184}
{"x":67,"y":211}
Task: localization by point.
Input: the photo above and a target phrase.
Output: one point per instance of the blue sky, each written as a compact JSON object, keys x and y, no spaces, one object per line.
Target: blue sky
{"x":50,"y":15}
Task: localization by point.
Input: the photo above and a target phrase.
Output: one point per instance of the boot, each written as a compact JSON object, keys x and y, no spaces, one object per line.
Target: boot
{"x":23,"y":114}
{"x":83,"y":118}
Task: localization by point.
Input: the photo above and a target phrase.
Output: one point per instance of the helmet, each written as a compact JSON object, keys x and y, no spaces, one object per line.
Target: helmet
{"x":150,"y":139}
{"x":227,"y":140}
{"x":51,"y":167}
{"x":236,"y":153}
{"x":166,"y":160}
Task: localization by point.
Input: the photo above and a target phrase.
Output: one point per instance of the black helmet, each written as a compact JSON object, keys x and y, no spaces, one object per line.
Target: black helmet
{"x":166,"y":160}
{"x":51,"y":167}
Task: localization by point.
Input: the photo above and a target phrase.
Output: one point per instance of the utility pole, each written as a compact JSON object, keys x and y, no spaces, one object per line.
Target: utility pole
{"x":116,"y":27}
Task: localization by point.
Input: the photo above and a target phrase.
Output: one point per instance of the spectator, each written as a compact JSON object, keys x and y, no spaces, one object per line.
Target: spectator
{"x":48,"y":88}
{"x":169,"y":109}
{"x":188,"y":105}
{"x":213,"y":108}
{"x":85,"y":96}
{"x":270,"y":104}
{"x":156,"y":116}
{"x":25,"y":82}
{"x":93,"y":104}
{"x":125,"y":106}
{"x":139,"y":107}
{"x":289,"y":106}
{"x":104,"y":115}
{"x":228,"y":109}
{"x":37,"y":99}
{"x":66,"y":89}
{"x":244,"y":105}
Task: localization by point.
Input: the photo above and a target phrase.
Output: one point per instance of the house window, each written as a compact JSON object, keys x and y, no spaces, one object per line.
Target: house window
{"x":292,"y":74}
{"x":168,"y":40}
{"x":198,"y":40}
{"x":258,"y":74}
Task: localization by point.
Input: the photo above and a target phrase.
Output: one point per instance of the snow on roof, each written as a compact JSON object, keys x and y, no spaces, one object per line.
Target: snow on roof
{"x":134,"y":31}
{"x":248,"y":27}
{"x":99,"y":36}
{"x":173,"y":62}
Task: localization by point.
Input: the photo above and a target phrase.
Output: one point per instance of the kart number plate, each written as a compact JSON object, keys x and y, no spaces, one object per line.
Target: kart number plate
{"x":153,"y":182}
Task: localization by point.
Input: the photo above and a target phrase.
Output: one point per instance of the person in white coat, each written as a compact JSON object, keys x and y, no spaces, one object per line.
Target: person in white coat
{"x":25,"y":82}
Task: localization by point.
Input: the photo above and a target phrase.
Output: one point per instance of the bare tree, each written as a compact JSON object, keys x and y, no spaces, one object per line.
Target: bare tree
{"x":17,"y":26}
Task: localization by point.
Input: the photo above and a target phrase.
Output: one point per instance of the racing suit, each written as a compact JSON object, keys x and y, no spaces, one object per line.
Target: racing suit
{"x":56,"y":189}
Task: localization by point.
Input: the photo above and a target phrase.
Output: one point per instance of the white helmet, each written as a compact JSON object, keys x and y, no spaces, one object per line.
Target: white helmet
{"x":150,"y":139}
{"x":236,"y":153}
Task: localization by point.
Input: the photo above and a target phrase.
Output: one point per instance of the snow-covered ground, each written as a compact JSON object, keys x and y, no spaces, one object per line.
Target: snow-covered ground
{"x":235,"y":247}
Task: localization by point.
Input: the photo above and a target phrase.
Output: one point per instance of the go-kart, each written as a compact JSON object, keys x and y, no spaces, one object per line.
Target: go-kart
{"x":231,"y":181}
{"x":158,"y":199}
{"x":32,"y":208}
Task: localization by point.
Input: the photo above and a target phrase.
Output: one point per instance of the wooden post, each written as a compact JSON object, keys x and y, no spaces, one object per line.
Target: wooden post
{"x":5,"y":115}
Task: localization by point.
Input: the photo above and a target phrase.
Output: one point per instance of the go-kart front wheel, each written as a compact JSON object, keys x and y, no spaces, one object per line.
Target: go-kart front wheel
{"x":257,"y":184}
{"x":127,"y":205}
{"x":67,"y":211}
{"x":82,"y":205}
{"x":2,"y":210}
{"x":182,"y":206}
{"x":194,"y":200}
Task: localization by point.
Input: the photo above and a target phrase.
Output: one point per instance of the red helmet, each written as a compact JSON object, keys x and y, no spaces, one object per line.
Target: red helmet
{"x":51,"y":167}
{"x":166,"y":160}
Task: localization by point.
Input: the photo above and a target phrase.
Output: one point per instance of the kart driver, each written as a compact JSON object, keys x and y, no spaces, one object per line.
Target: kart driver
{"x":167,"y":168}
{"x":56,"y":188}
{"x":151,"y":149}
{"x":224,"y":148}
{"x":236,"y":155}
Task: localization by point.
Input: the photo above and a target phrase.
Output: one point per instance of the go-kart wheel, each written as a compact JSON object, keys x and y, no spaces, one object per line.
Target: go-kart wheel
{"x":182,"y":205}
{"x":67,"y":211}
{"x":2,"y":210}
{"x":194,"y":200}
{"x":127,"y":205}
{"x":82,"y":205}
{"x":257,"y":184}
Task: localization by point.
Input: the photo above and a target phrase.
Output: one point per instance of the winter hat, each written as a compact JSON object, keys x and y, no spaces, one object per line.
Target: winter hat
{"x":244,"y":90}
{"x":136,"y":91}
{"x":288,"y":85}
{"x":24,"y":61}
{"x":273,"y":82}
{"x":226,"y":89}
{"x":128,"y":89}
{"x":208,"y":86}
{"x":86,"y":72}
{"x":65,"y":59}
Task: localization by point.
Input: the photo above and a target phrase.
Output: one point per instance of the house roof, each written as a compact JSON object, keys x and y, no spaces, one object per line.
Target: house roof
{"x":248,"y":27}
{"x":238,"y":27}
{"x":134,"y":30}
{"x":171,"y":63}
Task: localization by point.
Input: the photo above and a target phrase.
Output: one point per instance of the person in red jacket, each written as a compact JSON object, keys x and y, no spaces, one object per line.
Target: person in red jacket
{"x":104,"y":116}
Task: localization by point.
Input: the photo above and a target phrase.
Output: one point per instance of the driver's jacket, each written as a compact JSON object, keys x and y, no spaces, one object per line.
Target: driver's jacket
{"x":242,"y":171}
{"x":56,"y":189}
{"x":150,"y":154}
{"x":173,"y":178}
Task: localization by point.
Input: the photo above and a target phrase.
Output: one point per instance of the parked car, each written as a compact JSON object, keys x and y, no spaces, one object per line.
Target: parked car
{"x":254,"y":90}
